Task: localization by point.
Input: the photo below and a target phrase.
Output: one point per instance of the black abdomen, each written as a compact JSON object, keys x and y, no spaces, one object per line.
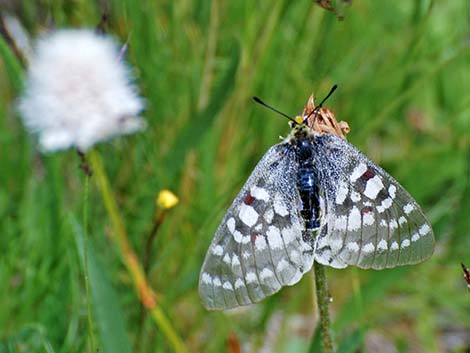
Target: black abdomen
{"x":307,"y":184}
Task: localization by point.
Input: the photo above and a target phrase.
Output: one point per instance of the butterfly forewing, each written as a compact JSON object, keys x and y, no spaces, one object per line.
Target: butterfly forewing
{"x":259,"y":246}
{"x":370,"y":220}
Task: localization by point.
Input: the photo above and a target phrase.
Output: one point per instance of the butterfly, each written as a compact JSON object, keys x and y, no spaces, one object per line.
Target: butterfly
{"x":312,"y":197}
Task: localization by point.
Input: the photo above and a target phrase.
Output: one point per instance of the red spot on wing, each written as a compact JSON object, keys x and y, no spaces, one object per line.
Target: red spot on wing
{"x":368,"y":174}
{"x":248,"y":199}
{"x":253,"y":237}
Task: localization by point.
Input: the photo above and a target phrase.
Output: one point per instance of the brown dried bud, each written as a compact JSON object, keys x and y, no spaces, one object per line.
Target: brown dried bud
{"x":323,"y":120}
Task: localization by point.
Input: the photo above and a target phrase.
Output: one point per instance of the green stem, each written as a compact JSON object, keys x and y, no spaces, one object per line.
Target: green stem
{"x":323,"y":301}
{"x":91,"y":329}
{"x":145,"y":292}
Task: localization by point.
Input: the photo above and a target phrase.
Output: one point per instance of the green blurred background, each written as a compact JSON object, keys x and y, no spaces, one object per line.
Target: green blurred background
{"x":403,"y":68}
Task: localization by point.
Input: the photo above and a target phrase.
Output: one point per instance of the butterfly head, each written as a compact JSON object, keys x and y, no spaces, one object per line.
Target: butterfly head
{"x":300,"y":128}
{"x":298,"y":120}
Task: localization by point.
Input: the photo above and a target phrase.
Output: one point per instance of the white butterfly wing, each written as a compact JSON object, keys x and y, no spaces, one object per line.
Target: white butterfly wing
{"x":371,"y":221}
{"x":258,"y":247}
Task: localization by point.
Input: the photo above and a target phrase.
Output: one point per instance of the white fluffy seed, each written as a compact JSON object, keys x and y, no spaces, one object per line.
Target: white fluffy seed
{"x":78,"y":92}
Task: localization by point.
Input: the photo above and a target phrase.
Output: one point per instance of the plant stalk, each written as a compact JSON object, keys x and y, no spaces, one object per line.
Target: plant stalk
{"x":91,"y":329}
{"x":323,"y":301}
{"x":146,"y":294}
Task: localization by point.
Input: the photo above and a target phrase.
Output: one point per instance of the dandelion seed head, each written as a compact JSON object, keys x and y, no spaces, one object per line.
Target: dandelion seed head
{"x":78,"y":92}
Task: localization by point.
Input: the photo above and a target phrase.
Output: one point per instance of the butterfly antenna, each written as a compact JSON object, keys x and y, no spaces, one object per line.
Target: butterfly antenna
{"x":335,"y":86}
{"x":259,"y":101}
{"x":319,"y":106}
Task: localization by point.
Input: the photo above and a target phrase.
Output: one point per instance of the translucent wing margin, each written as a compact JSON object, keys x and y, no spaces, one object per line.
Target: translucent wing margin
{"x":370,"y":219}
{"x":258,"y":247}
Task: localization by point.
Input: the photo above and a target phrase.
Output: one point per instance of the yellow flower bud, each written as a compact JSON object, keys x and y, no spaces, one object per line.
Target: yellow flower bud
{"x":166,"y":199}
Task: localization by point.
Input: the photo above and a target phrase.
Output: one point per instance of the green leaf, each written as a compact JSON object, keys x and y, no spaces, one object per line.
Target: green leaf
{"x":12,"y":65}
{"x":107,"y":312}
{"x":351,"y":343}
{"x":315,"y":344}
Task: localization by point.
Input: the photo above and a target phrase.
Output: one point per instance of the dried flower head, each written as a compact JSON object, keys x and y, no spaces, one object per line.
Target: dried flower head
{"x":78,"y":92}
{"x":323,"y":120}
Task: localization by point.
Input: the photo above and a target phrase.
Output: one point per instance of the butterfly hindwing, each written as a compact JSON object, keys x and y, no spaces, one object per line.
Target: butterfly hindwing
{"x":370,"y":219}
{"x":258,"y":248}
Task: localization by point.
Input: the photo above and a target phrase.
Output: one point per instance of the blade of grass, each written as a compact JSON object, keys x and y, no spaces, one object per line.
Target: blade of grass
{"x":352,"y":343}
{"x":130,"y":259}
{"x":194,"y":133}
{"x":104,"y":299}
{"x":12,"y":64}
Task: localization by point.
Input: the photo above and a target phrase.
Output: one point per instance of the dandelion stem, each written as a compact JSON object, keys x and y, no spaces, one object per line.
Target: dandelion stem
{"x":146,"y":294}
{"x":323,"y":301}
{"x":91,"y":328}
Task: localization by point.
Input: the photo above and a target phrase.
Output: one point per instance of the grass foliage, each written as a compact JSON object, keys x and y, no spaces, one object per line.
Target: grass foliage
{"x":404,"y":73}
